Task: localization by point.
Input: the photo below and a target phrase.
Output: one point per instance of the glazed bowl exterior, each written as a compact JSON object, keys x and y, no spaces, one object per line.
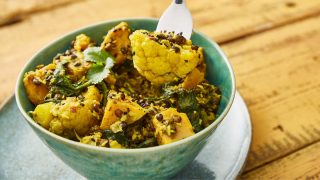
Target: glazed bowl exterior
{"x":155,"y":162}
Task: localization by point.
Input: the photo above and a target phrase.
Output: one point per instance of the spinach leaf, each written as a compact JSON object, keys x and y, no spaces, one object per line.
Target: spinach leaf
{"x":188,"y":103}
{"x":119,"y":137}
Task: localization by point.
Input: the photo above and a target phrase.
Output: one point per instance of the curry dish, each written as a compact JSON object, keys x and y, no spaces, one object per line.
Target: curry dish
{"x":136,"y":89}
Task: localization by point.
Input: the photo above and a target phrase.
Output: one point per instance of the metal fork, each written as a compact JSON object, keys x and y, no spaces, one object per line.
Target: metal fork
{"x":176,"y":18}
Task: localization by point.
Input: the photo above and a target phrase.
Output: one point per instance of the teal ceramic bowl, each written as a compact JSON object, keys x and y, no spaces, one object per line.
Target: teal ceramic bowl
{"x":155,"y":162}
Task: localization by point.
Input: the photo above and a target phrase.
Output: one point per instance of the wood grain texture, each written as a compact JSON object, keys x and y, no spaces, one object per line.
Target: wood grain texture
{"x":225,"y":20}
{"x":303,"y":164}
{"x":16,"y":10}
{"x":278,"y":73}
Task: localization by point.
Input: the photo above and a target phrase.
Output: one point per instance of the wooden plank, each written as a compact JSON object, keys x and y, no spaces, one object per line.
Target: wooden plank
{"x":303,"y":164}
{"x":278,"y":74}
{"x":13,"y":11}
{"x":222,"y":20}
{"x":226,"y":20}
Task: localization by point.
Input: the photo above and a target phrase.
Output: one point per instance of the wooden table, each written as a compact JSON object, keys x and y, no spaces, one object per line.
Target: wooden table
{"x":273,"y":45}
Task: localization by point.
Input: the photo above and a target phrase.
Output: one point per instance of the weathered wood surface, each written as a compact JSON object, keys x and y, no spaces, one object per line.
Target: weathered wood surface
{"x":277,"y":71}
{"x":303,"y":164}
{"x":16,"y":10}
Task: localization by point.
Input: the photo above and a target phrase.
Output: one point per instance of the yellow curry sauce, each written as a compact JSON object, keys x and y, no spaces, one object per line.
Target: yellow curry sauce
{"x":136,"y":89}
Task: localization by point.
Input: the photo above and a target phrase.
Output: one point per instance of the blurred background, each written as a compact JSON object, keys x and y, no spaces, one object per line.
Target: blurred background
{"x":273,"y":46}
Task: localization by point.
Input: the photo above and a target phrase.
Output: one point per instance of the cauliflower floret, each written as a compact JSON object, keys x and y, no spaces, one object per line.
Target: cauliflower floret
{"x":92,"y":94}
{"x":95,"y":139}
{"x":163,"y":57}
{"x":82,"y":42}
{"x":117,"y":42}
{"x":115,"y":144}
{"x":74,"y":115}
{"x":71,"y":115}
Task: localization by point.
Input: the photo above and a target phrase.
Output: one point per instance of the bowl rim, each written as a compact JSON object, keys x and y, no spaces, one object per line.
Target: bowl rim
{"x":124,"y":151}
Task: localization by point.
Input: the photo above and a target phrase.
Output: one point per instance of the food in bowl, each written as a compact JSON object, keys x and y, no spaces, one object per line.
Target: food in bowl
{"x":137,"y":89}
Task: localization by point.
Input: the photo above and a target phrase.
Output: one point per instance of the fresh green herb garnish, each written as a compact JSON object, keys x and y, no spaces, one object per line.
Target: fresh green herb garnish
{"x":96,"y":55}
{"x":102,"y":63}
{"x":98,"y":72}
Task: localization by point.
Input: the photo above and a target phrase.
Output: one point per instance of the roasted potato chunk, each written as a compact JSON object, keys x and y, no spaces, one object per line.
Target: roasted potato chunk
{"x":171,"y":120}
{"x":193,"y":79}
{"x":36,"y":84}
{"x":121,"y":108}
{"x":117,"y":42}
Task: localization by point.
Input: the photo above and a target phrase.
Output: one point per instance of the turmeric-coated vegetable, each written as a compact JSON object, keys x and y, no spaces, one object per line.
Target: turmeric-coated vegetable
{"x":172,"y":126}
{"x":71,"y":115}
{"x":193,"y":78}
{"x":36,"y":84}
{"x":120,"y":108}
{"x":163,"y":58}
{"x":117,"y":42}
{"x":82,"y":42}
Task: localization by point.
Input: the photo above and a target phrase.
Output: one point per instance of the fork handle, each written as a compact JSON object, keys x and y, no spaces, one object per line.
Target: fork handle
{"x":178,"y":1}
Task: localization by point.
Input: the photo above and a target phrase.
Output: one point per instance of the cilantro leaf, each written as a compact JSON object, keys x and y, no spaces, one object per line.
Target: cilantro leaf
{"x":96,"y":54}
{"x":102,"y":63}
{"x":99,"y":71}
